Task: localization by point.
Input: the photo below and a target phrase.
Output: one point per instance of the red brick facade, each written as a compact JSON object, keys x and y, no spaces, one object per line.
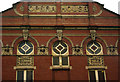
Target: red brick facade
{"x":76,"y":30}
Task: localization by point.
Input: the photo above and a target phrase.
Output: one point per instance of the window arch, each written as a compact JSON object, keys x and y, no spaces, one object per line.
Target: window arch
{"x":94,"y":48}
{"x":25,"y":47}
{"x":60,"y":48}
{"x":60,"y":52}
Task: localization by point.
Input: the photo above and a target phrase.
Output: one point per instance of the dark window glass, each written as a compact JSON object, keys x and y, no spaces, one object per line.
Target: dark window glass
{"x":29,"y":44}
{"x":20,"y":76}
{"x":59,"y":47}
{"x":25,"y":47}
{"x":30,"y":50}
{"x":21,"y":44}
{"x":55,"y":60}
{"x":63,"y":44}
{"x":63,"y":51}
{"x":98,"y":50}
{"x":64,"y":60}
{"x":92,"y":76}
{"x":101,"y":76}
{"x":56,"y":51}
{"x":29,"y":76}
{"x":93,"y":47}
{"x":56,"y":43}
{"x":21,"y":51}
{"x":89,"y":50}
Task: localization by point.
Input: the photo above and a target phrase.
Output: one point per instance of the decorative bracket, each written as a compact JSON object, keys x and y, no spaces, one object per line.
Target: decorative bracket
{"x":7,"y":50}
{"x":112,"y":50}
{"x":77,"y":50}
{"x":59,"y":34}
{"x":93,"y":34}
{"x":25,"y":34}
{"x":42,"y":50}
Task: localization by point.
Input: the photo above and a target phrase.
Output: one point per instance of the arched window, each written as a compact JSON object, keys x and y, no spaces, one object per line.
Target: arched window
{"x":94,"y":48}
{"x":60,"y":54}
{"x":25,"y":47}
{"x":96,"y":73}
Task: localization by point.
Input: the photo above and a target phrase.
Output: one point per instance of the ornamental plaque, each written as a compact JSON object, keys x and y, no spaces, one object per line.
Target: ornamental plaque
{"x":42,"y":8}
{"x":25,"y":61}
{"x":95,"y":61}
{"x":74,"y":9}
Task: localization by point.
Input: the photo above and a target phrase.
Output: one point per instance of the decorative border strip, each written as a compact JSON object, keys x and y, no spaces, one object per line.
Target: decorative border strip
{"x":56,"y":14}
{"x":53,"y":34}
{"x":62,"y":28}
{"x":52,"y":55}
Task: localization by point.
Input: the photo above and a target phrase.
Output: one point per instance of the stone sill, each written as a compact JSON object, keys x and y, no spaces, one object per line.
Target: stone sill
{"x":24,"y":67}
{"x":61,"y":67}
{"x":96,"y":67}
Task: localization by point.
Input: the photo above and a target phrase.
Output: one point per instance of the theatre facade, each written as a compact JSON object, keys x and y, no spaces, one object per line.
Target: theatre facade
{"x":60,"y":41}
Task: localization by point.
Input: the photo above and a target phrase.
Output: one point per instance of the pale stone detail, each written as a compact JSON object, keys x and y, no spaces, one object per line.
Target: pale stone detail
{"x":95,"y":61}
{"x":112,"y":50}
{"x":42,"y":8}
{"x":59,"y":34}
{"x":25,"y":34}
{"x":93,"y":34}
{"x":74,"y":9}
{"x":25,"y":61}
{"x":42,"y":50}
{"x":7,"y":50}
{"x":77,"y":50}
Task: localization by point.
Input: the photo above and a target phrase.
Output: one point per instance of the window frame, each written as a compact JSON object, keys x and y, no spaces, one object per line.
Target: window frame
{"x":25,"y":74}
{"x":60,"y":61}
{"x":19,"y":53}
{"x":96,"y":74}
{"x":66,"y":54}
{"x":100,"y":53}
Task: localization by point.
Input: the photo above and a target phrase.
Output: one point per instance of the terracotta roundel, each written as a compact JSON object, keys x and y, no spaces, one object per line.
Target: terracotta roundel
{"x":25,"y":47}
{"x":60,"y":47}
{"x":94,"y":47}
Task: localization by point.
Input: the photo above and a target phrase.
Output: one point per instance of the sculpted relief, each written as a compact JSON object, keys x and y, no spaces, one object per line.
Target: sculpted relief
{"x":64,"y":8}
{"x":42,"y":8}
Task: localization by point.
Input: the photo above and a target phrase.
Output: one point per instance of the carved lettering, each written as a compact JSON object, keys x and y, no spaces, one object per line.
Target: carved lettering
{"x":42,"y":8}
{"x":74,"y":9}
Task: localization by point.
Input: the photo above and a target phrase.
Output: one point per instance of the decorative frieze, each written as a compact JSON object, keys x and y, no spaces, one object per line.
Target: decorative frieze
{"x":42,"y":8}
{"x":42,"y":50}
{"x":74,"y":9}
{"x":25,"y":60}
{"x":77,"y":50}
{"x":95,"y":61}
{"x":112,"y":50}
{"x":7,"y":50}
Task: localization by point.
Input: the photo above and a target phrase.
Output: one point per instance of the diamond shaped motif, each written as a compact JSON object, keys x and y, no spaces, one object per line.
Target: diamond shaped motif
{"x":60,"y":47}
{"x":25,"y":47}
{"x":93,"y":47}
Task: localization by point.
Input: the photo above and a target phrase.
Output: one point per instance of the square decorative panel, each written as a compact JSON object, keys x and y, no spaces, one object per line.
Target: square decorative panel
{"x":25,"y":60}
{"x":95,"y":61}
